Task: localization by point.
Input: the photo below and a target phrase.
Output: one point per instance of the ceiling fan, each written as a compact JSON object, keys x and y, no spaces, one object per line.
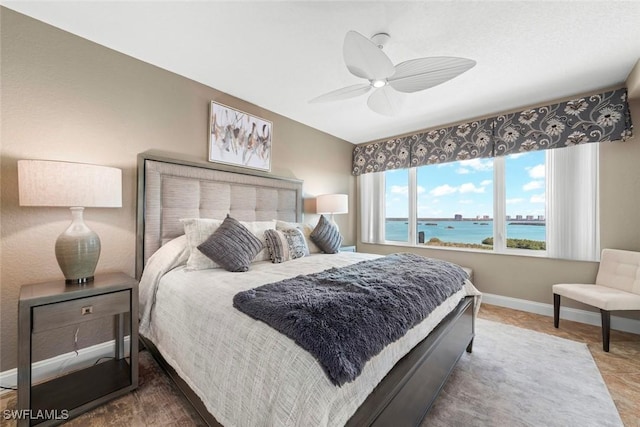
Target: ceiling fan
{"x":364,"y":58}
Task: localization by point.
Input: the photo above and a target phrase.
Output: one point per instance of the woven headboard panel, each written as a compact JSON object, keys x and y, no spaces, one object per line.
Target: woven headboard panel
{"x":169,"y":190}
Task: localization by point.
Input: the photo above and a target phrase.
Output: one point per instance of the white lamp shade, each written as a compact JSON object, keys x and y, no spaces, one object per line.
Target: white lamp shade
{"x":52,"y":183}
{"x":332,"y":204}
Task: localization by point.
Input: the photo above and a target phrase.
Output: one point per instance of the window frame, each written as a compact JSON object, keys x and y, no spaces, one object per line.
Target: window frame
{"x":499,"y":216}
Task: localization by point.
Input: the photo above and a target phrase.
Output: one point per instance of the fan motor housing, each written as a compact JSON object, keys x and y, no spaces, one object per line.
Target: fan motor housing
{"x":380,"y":39}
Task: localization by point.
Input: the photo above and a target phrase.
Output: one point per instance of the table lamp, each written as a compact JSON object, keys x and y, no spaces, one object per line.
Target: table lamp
{"x":332,"y":204}
{"x":76,"y":186}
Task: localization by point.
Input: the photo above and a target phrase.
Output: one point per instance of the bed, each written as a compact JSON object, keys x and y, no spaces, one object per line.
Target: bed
{"x":238,"y":371}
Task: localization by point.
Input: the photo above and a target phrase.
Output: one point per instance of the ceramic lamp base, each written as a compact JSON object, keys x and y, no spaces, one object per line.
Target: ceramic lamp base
{"x":78,"y":250}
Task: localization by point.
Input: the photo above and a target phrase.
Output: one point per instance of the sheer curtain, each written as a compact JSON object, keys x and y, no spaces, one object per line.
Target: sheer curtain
{"x":372,"y":207}
{"x":573,"y":226}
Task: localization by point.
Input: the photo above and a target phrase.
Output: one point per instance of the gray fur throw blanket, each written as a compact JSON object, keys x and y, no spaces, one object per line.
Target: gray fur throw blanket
{"x":345,"y":316}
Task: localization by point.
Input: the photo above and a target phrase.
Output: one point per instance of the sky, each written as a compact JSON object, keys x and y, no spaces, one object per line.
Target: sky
{"x":466,"y":188}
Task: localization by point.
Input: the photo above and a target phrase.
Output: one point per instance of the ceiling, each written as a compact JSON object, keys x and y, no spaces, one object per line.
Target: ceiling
{"x":279,"y":55}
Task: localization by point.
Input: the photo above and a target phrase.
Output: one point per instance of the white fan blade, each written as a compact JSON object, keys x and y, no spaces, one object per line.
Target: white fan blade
{"x":365,"y":59}
{"x":423,"y":73}
{"x":344,"y":93}
{"x":385,"y":101}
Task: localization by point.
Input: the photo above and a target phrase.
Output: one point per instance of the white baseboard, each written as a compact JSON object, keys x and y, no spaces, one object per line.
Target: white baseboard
{"x":568,"y":313}
{"x":63,"y":363}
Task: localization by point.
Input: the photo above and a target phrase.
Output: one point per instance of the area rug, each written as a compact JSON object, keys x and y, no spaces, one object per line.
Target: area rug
{"x":519,"y":377}
{"x":514,"y":377}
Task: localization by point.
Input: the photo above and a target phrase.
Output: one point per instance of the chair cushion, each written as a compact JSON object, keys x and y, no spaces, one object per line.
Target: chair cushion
{"x":603,"y":297}
{"x":620,"y":269}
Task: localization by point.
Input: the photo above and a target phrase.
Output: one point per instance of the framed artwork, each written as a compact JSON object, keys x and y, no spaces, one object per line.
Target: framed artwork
{"x":238,"y":138}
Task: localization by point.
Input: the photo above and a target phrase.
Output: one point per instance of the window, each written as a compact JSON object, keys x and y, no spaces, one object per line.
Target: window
{"x":542,"y":202}
{"x":525,"y":201}
{"x":455,"y":203}
{"x":396,"y":205}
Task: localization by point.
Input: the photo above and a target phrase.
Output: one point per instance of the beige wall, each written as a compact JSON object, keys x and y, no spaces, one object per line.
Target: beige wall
{"x":65,"y":98}
{"x":531,"y":278}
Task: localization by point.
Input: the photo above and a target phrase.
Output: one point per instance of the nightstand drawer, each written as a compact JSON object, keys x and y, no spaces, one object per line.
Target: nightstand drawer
{"x":55,"y":315}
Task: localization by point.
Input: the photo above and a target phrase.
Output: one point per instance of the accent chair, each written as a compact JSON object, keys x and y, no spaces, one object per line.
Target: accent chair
{"x":617,"y":287}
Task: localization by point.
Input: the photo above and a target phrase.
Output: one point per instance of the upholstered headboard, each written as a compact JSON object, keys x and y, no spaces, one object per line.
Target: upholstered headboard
{"x":171,"y":189}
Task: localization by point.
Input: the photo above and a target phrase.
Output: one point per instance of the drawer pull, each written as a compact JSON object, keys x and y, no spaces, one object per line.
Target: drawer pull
{"x":64,"y":313}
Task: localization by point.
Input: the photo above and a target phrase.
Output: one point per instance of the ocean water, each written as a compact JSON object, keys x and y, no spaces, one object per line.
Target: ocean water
{"x":462,"y":231}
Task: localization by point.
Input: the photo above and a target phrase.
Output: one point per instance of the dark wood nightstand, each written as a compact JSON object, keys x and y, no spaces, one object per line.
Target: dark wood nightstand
{"x":51,"y":305}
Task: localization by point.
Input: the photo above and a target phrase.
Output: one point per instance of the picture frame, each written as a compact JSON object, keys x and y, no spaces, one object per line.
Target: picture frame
{"x":238,"y":138}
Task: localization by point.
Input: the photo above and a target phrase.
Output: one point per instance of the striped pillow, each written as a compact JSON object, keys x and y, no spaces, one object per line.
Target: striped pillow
{"x":285,"y":245}
{"x":232,"y":246}
{"x":327,"y":236}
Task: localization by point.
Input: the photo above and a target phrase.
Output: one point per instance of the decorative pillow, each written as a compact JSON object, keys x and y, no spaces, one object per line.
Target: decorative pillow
{"x":285,"y":245}
{"x":306,"y":229}
{"x":232,"y":246}
{"x":327,"y":236}
{"x":258,"y":228}
{"x":199,"y":229}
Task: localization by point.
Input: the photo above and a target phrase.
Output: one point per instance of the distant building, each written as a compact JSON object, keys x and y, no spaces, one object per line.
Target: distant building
{"x":540,"y":217}
{"x":508,"y":217}
{"x":518,"y":217}
{"x":485,"y":217}
{"x":529,"y":217}
{"x":457,"y":217}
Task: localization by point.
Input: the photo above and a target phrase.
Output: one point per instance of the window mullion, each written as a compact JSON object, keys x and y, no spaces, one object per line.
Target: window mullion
{"x":413,"y":206}
{"x":499,"y":205}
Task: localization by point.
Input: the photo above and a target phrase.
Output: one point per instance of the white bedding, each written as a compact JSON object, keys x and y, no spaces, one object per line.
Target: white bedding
{"x":245,"y":372}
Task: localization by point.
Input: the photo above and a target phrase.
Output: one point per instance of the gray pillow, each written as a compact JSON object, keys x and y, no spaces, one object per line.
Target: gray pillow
{"x":327,"y":236}
{"x":232,"y":246}
{"x":285,"y":245}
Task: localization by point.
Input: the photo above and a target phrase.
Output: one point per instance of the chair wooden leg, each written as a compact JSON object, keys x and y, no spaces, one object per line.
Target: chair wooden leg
{"x":556,"y":310}
{"x":606,"y":329}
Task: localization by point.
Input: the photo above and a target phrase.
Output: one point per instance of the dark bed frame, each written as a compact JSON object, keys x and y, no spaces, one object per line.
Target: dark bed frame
{"x":407,"y":392}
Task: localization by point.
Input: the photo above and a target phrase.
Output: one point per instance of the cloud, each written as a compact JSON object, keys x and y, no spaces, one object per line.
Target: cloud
{"x":465,"y":202}
{"x":443,"y":190}
{"x":486,"y":182}
{"x":533,"y":185}
{"x":516,"y":155}
{"x":514,"y":201}
{"x":463,"y":171}
{"x":536,"y":172}
{"x":477,"y":165}
{"x":404,"y":189}
{"x":470,"y":188}
{"x":538,"y":198}
{"x":399,"y":189}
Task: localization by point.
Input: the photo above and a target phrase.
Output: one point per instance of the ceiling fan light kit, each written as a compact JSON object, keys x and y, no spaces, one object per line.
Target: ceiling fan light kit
{"x":364,"y":58}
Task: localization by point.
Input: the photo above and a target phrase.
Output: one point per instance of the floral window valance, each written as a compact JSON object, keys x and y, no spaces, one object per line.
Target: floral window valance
{"x":597,"y":118}
{"x":462,"y":142}
{"x":382,"y":156}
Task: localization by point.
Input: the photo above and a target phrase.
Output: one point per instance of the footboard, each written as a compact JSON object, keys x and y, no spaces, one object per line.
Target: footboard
{"x":408,"y":391}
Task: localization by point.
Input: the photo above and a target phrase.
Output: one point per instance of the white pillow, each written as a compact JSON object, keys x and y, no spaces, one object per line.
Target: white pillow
{"x":199,"y":229}
{"x":170,"y":255}
{"x":306,"y":229}
{"x":258,"y":228}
